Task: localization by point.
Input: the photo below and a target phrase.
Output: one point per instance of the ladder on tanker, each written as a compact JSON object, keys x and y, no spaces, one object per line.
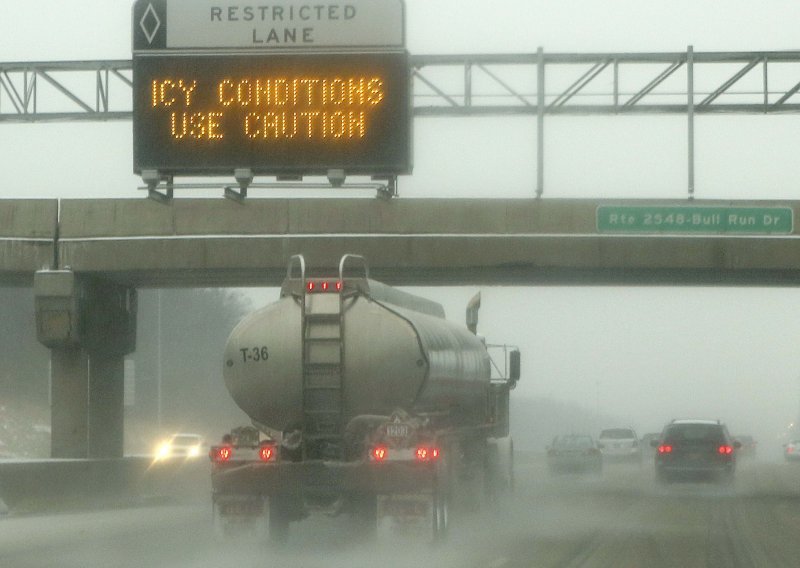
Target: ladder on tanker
{"x":323,"y":367}
{"x":323,"y":396}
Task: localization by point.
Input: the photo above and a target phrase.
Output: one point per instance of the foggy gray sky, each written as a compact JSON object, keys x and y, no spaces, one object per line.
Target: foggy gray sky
{"x":644,"y":354}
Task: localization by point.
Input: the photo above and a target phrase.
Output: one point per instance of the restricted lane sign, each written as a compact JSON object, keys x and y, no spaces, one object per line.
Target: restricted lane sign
{"x":289,"y":88}
{"x":682,"y":219}
{"x":276,"y":25}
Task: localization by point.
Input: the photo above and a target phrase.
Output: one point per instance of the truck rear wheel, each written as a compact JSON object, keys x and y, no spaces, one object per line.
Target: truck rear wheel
{"x":365,"y":514}
{"x":440,"y":519}
{"x":220,"y":524}
{"x":278,"y":520}
{"x":501,"y":464}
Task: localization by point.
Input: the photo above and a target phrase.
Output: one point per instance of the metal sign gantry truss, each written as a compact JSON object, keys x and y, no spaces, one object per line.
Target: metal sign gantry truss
{"x":534,"y":84}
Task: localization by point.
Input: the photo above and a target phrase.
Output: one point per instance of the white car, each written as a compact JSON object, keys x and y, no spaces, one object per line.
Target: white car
{"x":620,"y":444}
{"x":180,"y":446}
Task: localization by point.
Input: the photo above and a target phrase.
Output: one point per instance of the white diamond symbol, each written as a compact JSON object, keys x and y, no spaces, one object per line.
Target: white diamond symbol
{"x":153,"y":19}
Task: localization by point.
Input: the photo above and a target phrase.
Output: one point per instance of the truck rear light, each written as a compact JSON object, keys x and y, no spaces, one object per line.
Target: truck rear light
{"x":664,"y":449}
{"x":221,"y":453}
{"x":324,"y":286}
{"x":427,"y":453}
{"x":267,"y":452}
{"x":379,"y":453}
{"x":725,"y":449}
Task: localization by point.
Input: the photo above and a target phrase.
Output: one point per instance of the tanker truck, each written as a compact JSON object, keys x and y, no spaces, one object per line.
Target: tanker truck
{"x":365,"y":401}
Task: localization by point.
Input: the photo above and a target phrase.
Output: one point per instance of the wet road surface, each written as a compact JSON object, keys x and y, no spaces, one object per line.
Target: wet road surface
{"x":621,"y":519}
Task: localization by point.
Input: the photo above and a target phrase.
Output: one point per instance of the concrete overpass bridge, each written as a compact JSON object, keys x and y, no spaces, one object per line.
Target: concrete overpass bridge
{"x":209,"y":242}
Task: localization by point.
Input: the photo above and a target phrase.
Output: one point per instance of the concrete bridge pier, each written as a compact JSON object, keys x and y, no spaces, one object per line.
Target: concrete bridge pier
{"x":105,"y":413}
{"x":89,"y":324}
{"x":69,"y":407}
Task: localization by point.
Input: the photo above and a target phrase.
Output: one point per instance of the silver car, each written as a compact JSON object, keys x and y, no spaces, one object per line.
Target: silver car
{"x":620,"y":444}
{"x":574,"y":453}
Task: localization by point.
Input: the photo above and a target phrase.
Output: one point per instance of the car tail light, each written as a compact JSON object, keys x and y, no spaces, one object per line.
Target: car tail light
{"x":379,"y":453}
{"x":789,"y":449}
{"x":310,"y":286}
{"x":220,"y":454}
{"x":267,"y":452}
{"x":339,"y":286}
{"x":664,"y":449}
{"x":427,"y":453}
{"x":725,"y":449}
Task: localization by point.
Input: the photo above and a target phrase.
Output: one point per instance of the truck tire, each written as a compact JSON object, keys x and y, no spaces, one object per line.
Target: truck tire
{"x":500,"y":465}
{"x":278,"y":521}
{"x":218,"y":522}
{"x":365,"y":514}
{"x":440,"y":518}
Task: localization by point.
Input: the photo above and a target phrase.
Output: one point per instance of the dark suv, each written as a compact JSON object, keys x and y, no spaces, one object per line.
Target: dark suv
{"x":695,"y":449}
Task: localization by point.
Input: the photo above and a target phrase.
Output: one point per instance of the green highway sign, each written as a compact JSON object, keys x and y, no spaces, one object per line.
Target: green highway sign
{"x":689,"y":219}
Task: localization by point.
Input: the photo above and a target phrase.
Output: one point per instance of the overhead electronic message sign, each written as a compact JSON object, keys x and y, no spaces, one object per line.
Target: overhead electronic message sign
{"x":289,"y":88}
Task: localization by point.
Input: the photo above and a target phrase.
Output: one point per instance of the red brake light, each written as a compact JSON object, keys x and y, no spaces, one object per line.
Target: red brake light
{"x":221,"y":454}
{"x":427,"y":453}
{"x":323,"y":286}
{"x":664,"y":449}
{"x":267,"y":453}
{"x":725,"y":450}
{"x":379,"y":453}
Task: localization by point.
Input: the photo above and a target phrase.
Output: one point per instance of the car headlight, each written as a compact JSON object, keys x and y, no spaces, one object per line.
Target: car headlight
{"x":194,"y":451}
{"x":163,"y":451}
